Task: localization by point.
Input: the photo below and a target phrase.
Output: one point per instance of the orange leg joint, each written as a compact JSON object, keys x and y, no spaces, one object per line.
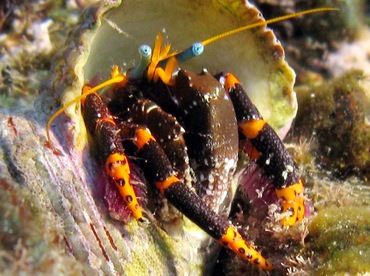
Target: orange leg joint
{"x":143,"y":136}
{"x":252,"y":128}
{"x":163,"y":185}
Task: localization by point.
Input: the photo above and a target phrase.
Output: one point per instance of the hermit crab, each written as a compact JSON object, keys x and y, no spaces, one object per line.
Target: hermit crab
{"x":182,"y":131}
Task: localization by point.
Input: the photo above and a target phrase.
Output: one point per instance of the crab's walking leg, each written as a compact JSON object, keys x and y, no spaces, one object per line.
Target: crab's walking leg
{"x":273,"y":156}
{"x":103,"y":128}
{"x":158,"y":169}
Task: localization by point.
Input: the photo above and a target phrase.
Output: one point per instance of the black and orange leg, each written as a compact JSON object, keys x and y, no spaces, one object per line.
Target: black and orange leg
{"x":168,"y":132}
{"x":273,"y":157}
{"x":100,"y":124}
{"x":158,"y":169}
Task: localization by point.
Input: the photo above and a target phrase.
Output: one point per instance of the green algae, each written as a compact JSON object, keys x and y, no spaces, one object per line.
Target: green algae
{"x":333,"y":137}
{"x":340,"y":238}
{"x":334,"y":117}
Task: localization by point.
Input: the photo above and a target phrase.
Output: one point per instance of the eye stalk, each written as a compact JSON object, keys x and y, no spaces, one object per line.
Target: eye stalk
{"x":196,"y":49}
{"x":145,"y":53}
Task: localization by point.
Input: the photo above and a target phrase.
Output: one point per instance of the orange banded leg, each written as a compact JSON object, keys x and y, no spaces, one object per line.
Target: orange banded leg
{"x":273,"y":157}
{"x":102,"y":127}
{"x":158,"y":169}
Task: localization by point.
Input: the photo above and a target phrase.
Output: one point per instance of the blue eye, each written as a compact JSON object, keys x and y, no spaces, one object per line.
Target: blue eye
{"x":145,"y":51}
{"x":197,"y":48}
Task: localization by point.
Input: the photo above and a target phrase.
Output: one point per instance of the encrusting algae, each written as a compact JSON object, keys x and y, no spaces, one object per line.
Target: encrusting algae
{"x":334,"y":117}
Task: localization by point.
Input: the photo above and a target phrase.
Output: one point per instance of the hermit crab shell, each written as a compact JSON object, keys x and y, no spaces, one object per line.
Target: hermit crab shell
{"x":111,"y":33}
{"x":254,"y":57}
{"x":108,"y":34}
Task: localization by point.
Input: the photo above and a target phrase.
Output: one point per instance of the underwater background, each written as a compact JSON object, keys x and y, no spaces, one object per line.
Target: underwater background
{"x":49,"y":227}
